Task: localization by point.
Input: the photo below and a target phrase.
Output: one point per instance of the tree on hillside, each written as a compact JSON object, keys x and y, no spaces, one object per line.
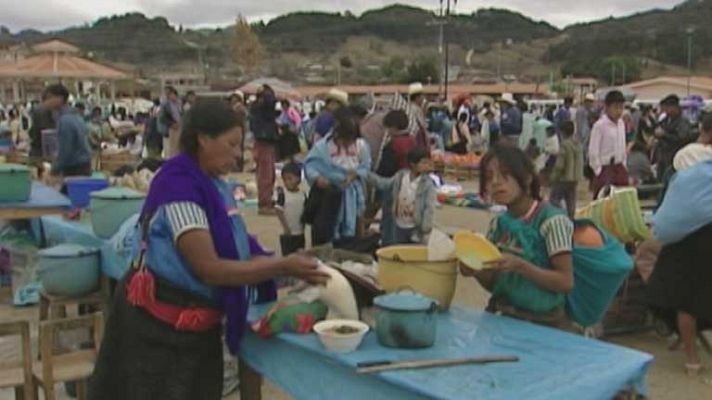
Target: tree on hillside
{"x":424,"y":70}
{"x":247,"y":50}
{"x":615,"y":70}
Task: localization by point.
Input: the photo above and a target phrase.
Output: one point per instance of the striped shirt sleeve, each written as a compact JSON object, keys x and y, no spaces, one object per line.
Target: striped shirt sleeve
{"x":184,"y":217}
{"x":558,"y":234}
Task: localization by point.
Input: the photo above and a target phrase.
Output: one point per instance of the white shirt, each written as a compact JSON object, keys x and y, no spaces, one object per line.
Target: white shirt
{"x":691,"y":154}
{"x":405,"y":209}
{"x":607,"y":142}
{"x":293,"y":209}
{"x":551,"y":145}
{"x":347,"y":158}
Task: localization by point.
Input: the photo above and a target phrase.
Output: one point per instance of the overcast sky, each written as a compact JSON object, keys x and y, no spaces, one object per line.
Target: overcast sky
{"x":57,"y":14}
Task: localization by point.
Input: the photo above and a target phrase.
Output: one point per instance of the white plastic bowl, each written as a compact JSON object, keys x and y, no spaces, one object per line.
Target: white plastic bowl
{"x":340,"y":343}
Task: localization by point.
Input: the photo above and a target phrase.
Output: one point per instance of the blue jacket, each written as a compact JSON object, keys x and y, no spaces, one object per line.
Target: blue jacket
{"x":687,"y":206}
{"x":511,"y":122}
{"x":425,"y":198}
{"x":73,"y":142}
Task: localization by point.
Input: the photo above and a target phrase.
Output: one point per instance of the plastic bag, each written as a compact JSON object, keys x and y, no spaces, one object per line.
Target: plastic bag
{"x":620,"y":214}
{"x":440,"y":247}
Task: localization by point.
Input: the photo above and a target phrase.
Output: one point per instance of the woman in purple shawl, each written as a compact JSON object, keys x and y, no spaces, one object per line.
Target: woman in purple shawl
{"x":163,"y":336}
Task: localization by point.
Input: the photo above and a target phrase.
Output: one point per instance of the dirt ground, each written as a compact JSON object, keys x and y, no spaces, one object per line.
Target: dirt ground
{"x":666,"y":378}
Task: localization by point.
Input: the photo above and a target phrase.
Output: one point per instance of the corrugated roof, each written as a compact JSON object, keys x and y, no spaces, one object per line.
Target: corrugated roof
{"x":59,"y":65}
{"x":453,"y":90}
{"x":701,"y":82}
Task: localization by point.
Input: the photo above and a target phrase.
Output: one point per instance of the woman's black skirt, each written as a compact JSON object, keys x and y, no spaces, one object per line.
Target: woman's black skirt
{"x":682,"y":278}
{"x":143,"y":358}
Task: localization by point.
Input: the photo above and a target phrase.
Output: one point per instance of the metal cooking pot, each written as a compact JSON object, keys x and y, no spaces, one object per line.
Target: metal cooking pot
{"x":406,"y":319}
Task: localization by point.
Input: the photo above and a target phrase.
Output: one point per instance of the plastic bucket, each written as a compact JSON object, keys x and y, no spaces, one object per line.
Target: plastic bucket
{"x":80,"y":189}
{"x":69,"y":270}
{"x":110,"y":208}
{"x":408,"y":266}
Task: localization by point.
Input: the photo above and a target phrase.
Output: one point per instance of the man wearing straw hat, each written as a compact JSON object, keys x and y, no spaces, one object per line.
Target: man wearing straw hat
{"x":324,"y":123}
{"x":511,"y":122}
{"x":418,"y":127}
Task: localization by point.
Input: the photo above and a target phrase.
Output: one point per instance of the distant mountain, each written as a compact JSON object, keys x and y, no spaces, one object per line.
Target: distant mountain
{"x":403,"y":24}
{"x":652,"y":37}
{"x":657,"y":35}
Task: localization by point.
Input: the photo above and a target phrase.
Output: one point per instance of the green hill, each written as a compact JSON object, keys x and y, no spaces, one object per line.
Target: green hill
{"x":656,"y":35}
{"x":376,"y":37}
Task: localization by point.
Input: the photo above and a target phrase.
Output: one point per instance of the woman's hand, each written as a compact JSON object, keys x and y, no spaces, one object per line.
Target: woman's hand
{"x":321,"y":182}
{"x":305,"y":268}
{"x":508,"y":263}
{"x":350,"y":177}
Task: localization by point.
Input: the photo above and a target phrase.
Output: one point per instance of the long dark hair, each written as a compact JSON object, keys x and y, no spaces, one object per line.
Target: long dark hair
{"x":210,"y":117}
{"x":515,"y":163}
{"x":346,"y":127}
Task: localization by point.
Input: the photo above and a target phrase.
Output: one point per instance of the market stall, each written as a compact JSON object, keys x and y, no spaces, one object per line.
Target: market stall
{"x":43,"y":201}
{"x":552,"y":364}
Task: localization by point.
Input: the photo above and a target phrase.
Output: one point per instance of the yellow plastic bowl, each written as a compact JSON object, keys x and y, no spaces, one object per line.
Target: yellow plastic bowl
{"x":408,"y":267}
{"x":473,"y":250}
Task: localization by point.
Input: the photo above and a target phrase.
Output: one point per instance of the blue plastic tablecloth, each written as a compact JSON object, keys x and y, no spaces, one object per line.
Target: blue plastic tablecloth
{"x":116,"y":253}
{"x":41,"y":196}
{"x":553,"y":364}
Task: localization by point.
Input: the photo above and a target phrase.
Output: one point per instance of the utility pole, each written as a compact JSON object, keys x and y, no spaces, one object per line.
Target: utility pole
{"x":690,"y":31}
{"x":440,"y":22}
{"x":613,"y":74}
{"x":447,"y":49}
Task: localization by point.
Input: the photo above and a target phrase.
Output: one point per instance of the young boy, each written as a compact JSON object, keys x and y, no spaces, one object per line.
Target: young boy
{"x":414,"y":200}
{"x":607,"y":150}
{"x":568,"y":170}
{"x":289,"y":206}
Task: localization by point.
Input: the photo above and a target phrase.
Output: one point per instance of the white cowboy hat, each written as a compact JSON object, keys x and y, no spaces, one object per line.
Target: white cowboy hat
{"x":508,"y":98}
{"x":415,"y":88}
{"x":239,"y":94}
{"x":338,"y":95}
{"x":589,"y":97}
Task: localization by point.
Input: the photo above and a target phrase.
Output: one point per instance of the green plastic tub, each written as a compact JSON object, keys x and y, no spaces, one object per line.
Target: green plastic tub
{"x":15,"y":183}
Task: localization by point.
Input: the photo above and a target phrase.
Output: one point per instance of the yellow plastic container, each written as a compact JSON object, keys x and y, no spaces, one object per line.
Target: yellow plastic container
{"x":408,"y":267}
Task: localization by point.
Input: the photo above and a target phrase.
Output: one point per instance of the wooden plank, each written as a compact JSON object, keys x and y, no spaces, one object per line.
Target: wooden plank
{"x":421,"y":364}
{"x":29,"y":213}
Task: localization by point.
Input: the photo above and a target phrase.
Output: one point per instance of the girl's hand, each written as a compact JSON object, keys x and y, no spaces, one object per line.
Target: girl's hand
{"x":321,"y":182}
{"x":508,"y":263}
{"x":350,"y":178}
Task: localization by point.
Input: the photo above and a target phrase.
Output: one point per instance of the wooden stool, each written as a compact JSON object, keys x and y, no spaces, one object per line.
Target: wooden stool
{"x":75,"y":366}
{"x":55,"y":307}
{"x":18,"y":375}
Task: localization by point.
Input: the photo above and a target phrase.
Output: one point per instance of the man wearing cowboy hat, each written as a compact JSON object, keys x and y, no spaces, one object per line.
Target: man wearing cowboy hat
{"x":324,"y":123}
{"x":418,"y":127}
{"x":511,"y":123}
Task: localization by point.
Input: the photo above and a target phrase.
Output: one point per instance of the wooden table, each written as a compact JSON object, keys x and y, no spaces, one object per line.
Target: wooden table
{"x":43,"y":201}
{"x":29,"y":213}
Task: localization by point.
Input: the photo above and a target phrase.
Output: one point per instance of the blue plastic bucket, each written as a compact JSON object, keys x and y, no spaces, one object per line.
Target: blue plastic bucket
{"x":79,"y":190}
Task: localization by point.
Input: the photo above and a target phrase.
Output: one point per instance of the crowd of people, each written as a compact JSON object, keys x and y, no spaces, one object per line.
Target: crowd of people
{"x":358,"y":160}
